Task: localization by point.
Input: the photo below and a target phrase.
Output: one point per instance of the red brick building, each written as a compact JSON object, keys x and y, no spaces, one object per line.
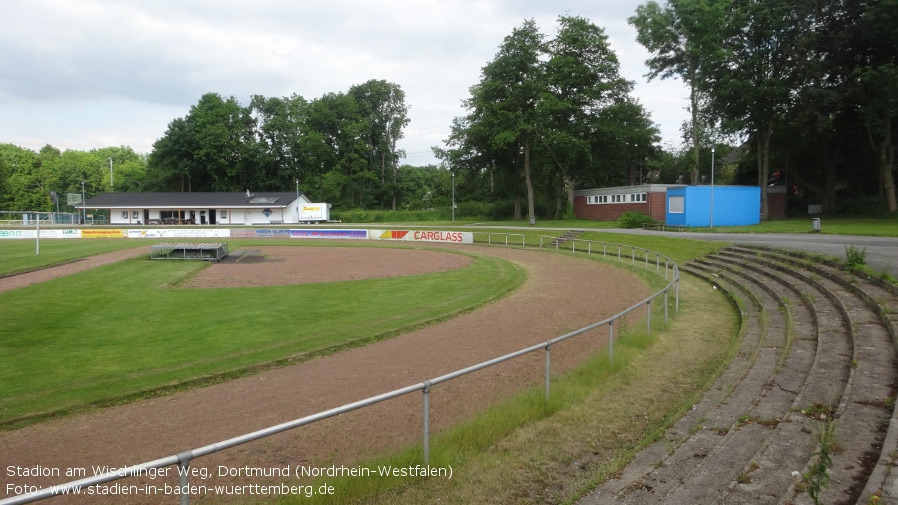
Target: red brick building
{"x":607,"y":204}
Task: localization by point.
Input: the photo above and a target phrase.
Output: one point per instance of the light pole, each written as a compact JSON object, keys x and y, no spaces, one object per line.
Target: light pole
{"x":453,"y":197}
{"x":83,"y":208}
{"x":712,"y":186}
{"x":111,"y":186}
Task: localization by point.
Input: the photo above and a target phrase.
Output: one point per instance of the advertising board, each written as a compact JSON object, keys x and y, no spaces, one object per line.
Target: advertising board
{"x":312,"y":233}
{"x":313,"y":212}
{"x":179,"y":233}
{"x":17,"y":234}
{"x":103,"y":233}
{"x":458,"y":237}
{"x":60,"y":233}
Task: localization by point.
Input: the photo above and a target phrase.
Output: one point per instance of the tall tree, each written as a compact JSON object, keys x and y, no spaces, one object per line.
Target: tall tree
{"x":382,"y":104}
{"x":505,"y":100}
{"x":281,"y":129}
{"x":876,"y":77}
{"x":680,"y":37}
{"x":341,"y":145}
{"x":753,"y":80}
{"x":208,"y":150}
{"x":583,"y":84}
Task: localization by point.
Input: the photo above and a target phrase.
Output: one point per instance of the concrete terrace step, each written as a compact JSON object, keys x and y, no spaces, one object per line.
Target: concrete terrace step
{"x":867,"y":432}
{"x":815,"y":342}
{"x":704,"y":425}
{"x":705,"y":450}
{"x":769,"y":475}
{"x":565,"y":238}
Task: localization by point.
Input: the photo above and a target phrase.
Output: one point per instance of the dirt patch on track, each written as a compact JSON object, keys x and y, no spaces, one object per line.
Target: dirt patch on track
{"x":280,"y":265}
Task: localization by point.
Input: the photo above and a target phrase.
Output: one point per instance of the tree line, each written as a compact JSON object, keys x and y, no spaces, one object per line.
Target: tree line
{"x":547,"y":117}
{"x":812,"y":87}
{"x":41,"y":181}
{"x":341,"y":147}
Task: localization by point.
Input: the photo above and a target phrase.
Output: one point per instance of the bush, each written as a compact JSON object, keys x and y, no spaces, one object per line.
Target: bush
{"x":387,"y":216}
{"x":634,"y":219}
{"x":472,"y":210}
{"x":568,"y":213}
{"x":501,"y":210}
{"x":862,"y":206}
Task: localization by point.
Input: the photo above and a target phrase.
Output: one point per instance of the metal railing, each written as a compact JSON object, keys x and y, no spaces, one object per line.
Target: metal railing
{"x":182,"y":460}
{"x":29,"y":219}
{"x":493,"y":238}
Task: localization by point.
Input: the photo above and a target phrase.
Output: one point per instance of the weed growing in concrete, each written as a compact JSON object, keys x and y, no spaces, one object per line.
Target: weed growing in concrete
{"x":855,"y":258}
{"x":817,"y":476}
{"x":819,"y":411}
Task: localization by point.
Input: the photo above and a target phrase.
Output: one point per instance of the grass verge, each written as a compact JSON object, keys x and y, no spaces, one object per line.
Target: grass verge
{"x":599,"y":416}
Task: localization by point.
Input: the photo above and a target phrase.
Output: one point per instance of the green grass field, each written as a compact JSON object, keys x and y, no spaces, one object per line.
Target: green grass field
{"x":126,"y":330}
{"x":19,"y":255}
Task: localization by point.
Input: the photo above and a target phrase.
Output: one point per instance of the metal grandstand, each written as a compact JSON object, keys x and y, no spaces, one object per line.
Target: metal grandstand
{"x":189,"y":251}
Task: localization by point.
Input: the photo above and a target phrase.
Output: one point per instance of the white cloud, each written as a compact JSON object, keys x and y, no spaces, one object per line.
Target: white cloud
{"x":93,"y":73}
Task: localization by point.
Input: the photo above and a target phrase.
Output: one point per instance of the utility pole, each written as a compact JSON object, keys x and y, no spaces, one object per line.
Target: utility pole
{"x":712,"y":186}
{"x":111,"y":187}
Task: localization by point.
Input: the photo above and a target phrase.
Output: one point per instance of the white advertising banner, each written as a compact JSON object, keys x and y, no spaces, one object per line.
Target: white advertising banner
{"x":18,"y":234}
{"x":60,"y":233}
{"x":180,"y":233}
{"x":456,"y":237}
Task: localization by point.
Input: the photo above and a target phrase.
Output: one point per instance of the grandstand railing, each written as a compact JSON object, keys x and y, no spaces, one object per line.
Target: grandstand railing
{"x":183,"y":459}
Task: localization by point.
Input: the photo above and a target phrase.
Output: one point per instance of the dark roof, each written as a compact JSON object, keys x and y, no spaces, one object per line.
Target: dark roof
{"x":191,"y":200}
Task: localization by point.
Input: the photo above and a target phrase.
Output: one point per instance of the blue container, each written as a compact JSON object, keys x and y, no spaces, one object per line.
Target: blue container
{"x":733,"y":206}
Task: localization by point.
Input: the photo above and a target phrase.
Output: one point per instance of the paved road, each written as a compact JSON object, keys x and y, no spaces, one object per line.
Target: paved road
{"x":882,"y":252}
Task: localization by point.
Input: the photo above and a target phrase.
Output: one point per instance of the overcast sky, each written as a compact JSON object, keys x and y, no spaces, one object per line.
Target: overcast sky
{"x":85,"y":74}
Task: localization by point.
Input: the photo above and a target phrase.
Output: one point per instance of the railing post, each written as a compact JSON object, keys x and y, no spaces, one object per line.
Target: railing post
{"x":677,"y":296}
{"x":648,"y":318}
{"x":589,"y":248}
{"x":611,"y":340}
{"x":665,"y":307}
{"x":183,"y":468}
{"x":618,"y":252}
{"x":426,"y":422}
{"x":548,"y":370}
